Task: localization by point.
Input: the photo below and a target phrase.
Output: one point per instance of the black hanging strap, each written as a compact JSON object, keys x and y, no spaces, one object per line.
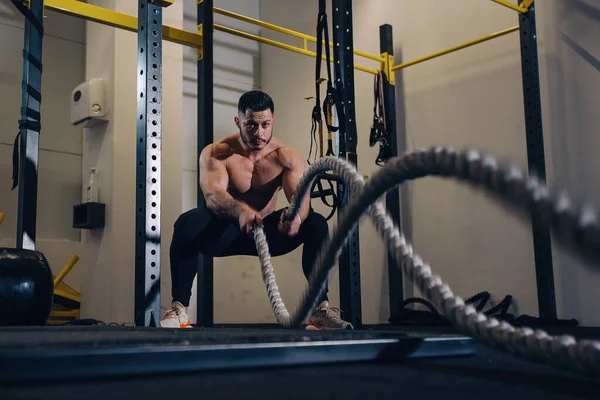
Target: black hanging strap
{"x":379,"y":133}
{"x":15,"y":158}
{"x":378,"y":129}
{"x":322,"y":41}
{"x":29,"y":15}
{"x":32,"y":60}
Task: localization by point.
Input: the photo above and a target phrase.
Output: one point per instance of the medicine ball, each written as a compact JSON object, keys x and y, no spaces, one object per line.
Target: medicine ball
{"x":26,"y":287}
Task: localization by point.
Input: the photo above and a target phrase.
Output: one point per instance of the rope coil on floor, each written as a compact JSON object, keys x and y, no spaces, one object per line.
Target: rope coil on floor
{"x":577,"y":228}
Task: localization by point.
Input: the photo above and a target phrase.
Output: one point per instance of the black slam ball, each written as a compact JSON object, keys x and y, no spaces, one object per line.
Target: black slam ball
{"x":26,"y":287}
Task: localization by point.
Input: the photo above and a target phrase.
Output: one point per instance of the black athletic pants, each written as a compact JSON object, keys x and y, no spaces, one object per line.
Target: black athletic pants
{"x":200,"y":231}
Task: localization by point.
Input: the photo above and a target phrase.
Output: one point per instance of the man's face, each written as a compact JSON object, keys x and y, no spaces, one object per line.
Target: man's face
{"x":256,"y":128}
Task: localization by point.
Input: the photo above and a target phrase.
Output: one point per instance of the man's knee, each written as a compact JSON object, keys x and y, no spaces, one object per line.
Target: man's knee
{"x":316,"y":225}
{"x":191,"y":224}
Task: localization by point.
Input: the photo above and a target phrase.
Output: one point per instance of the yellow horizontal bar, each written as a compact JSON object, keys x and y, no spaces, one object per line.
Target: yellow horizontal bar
{"x":287,"y":31}
{"x":512,"y":6}
{"x":64,"y":290}
{"x":280,"y":45}
{"x":1,"y":217}
{"x":456,"y":48}
{"x":262,"y":24}
{"x":527,"y":3}
{"x":118,"y":20}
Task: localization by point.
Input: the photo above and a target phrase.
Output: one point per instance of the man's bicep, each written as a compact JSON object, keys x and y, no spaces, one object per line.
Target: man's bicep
{"x":293,"y":174}
{"x":213,"y":174}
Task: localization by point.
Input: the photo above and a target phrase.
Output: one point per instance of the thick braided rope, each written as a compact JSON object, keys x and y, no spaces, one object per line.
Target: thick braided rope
{"x":560,"y":351}
{"x":574,"y":228}
{"x":281,"y":313}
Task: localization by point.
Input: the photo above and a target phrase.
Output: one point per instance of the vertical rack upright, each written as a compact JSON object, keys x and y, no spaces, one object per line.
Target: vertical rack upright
{"x":397,"y":146}
{"x":205,"y":279}
{"x":148,"y":164}
{"x":29,"y":124}
{"x":542,"y":244}
{"x":343,"y":62}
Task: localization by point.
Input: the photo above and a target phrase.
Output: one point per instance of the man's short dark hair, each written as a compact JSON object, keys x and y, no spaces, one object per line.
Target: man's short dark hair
{"x":255,"y":100}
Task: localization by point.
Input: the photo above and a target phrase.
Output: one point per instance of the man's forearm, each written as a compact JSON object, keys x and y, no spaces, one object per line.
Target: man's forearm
{"x":303,"y":212}
{"x":223,"y":204}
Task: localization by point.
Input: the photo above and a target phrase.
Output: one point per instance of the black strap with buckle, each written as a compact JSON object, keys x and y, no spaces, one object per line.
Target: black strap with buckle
{"x":326,"y":108}
{"x":329,"y":101}
{"x":379,"y":133}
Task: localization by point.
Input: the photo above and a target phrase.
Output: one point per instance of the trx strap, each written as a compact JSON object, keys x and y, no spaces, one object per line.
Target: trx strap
{"x":328,"y":107}
{"x":379,"y":131}
{"x":329,"y":101}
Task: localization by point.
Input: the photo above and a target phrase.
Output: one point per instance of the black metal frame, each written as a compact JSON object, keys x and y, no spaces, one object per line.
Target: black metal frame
{"x":396,"y":146}
{"x":148,"y":165}
{"x":542,"y":243}
{"x":343,"y":61}
{"x":205,"y":276}
{"x":29,"y":124}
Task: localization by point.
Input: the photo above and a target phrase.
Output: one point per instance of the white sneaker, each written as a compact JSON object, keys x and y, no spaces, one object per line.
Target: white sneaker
{"x":327,"y":318}
{"x":176,"y":317}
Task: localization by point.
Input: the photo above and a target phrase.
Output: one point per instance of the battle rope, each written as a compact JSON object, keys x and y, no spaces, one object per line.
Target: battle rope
{"x":577,"y":228}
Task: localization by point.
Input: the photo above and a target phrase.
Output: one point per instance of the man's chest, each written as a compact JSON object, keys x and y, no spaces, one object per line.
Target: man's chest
{"x":245,"y":175}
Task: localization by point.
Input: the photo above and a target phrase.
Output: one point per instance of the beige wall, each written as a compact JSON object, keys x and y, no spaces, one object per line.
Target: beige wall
{"x":60,"y":156}
{"x":470,"y":98}
{"x":570,"y":66}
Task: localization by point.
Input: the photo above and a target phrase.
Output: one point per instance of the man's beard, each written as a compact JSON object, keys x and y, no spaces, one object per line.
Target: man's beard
{"x":252,"y":146}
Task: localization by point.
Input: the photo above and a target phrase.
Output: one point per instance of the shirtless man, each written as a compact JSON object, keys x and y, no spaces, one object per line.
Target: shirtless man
{"x":240,"y":178}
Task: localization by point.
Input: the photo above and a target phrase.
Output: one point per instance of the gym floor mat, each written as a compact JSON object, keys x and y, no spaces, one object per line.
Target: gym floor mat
{"x":73,"y":352}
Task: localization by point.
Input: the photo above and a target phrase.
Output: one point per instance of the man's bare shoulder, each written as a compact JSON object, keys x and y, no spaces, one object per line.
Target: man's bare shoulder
{"x":290,"y":158}
{"x":220,"y":150}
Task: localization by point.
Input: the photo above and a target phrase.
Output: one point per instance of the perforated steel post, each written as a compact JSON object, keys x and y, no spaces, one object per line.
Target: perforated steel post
{"x":542,"y":244}
{"x":343,"y":56}
{"x":30,"y":124}
{"x":148,"y":165}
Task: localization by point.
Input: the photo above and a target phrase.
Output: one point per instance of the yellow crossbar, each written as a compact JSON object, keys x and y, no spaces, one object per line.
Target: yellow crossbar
{"x":1,"y":217}
{"x":456,"y":48}
{"x":287,"y":31}
{"x":115,"y":19}
{"x":513,"y":6}
{"x":280,"y":45}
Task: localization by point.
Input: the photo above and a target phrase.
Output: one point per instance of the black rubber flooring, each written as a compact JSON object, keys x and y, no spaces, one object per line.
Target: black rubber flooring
{"x":487,"y":375}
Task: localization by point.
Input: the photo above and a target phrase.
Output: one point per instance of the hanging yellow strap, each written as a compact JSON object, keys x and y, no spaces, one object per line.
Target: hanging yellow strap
{"x":329,"y":116}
